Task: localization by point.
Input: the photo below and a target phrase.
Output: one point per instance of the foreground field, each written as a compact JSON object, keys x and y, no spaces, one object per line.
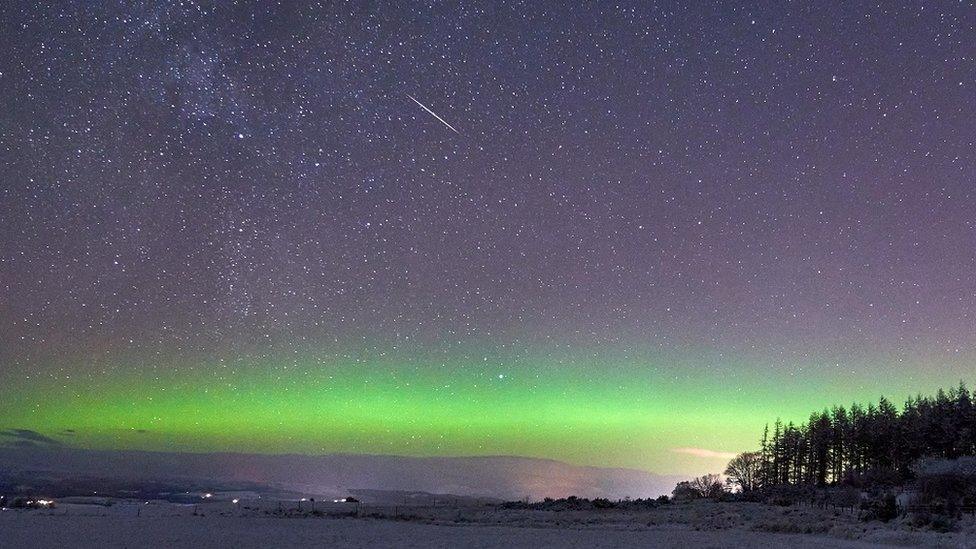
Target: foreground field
{"x":696,"y":525}
{"x":22,"y":530}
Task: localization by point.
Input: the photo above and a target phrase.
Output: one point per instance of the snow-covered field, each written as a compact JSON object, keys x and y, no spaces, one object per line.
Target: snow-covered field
{"x":226,"y":525}
{"x":34,"y":530}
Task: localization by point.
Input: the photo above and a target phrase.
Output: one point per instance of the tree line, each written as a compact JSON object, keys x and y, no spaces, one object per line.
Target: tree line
{"x":877,"y":442}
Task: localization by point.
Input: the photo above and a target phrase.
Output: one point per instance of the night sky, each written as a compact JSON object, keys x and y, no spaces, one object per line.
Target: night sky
{"x":611,"y":235}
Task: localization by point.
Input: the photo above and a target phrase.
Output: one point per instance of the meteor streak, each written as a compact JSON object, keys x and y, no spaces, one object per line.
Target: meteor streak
{"x":434,"y":114}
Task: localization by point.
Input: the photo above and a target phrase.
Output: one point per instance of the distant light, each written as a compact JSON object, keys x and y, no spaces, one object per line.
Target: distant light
{"x":44,"y":502}
{"x":208,"y":495}
{"x":235,"y":500}
{"x":304,"y":499}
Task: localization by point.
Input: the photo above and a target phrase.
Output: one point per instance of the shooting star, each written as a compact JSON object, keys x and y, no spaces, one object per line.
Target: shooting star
{"x":434,"y":114}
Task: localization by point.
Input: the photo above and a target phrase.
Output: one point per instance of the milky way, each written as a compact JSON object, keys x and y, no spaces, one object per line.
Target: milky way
{"x":656,"y":227}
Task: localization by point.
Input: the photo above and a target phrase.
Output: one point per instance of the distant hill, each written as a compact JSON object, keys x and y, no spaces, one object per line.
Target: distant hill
{"x":501,"y":477}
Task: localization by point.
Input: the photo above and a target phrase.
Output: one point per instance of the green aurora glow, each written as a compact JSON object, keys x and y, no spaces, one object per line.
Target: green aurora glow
{"x":633,"y":414}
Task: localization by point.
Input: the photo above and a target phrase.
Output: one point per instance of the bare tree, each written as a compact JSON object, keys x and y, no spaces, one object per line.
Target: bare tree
{"x":684,"y":492}
{"x":708,"y":486}
{"x":743,"y":471}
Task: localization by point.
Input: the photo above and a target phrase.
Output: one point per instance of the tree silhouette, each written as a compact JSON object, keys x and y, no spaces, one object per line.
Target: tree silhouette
{"x":744,"y":471}
{"x":876,"y":443}
{"x":708,"y":486}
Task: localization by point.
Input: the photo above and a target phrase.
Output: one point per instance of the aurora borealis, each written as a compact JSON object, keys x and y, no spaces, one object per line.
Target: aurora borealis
{"x":653,"y":229}
{"x":432,"y":404}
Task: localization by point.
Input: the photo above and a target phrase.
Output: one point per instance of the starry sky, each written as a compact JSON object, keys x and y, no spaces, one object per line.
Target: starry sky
{"x":611,"y":234}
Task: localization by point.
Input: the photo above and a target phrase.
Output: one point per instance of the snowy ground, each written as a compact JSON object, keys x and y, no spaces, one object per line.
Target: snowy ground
{"x":26,"y":530}
{"x":224,"y":525}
